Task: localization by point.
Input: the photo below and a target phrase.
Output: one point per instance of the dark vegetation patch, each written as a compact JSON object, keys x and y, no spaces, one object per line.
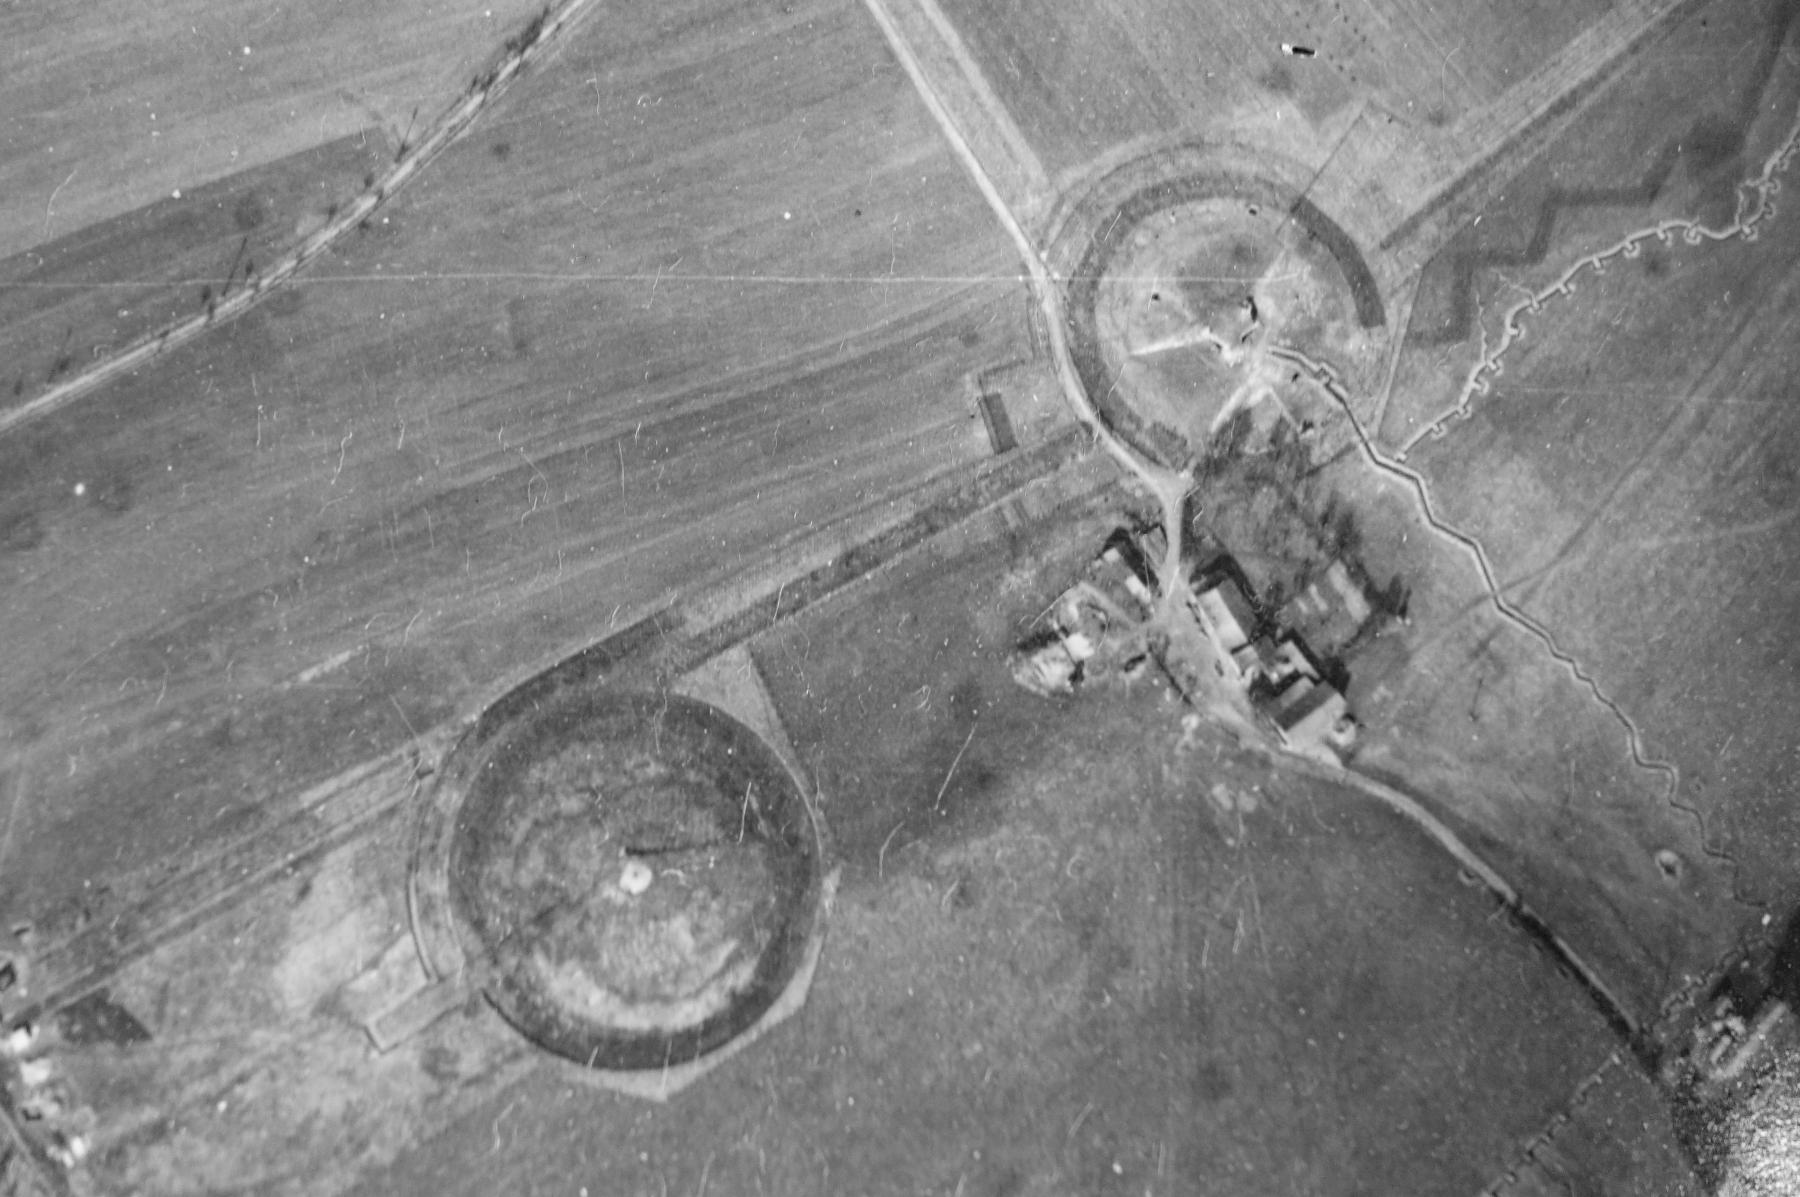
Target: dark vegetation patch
{"x":1266,"y":505}
{"x":96,"y":1018}
{"x":72,"y":310}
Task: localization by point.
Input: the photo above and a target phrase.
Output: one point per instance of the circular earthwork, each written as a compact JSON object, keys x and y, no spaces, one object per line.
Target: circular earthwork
{"x":631,"y":880}
{"x":1149,"y":255}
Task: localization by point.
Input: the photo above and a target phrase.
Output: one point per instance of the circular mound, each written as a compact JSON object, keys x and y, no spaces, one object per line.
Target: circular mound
{"x":632,"y":878}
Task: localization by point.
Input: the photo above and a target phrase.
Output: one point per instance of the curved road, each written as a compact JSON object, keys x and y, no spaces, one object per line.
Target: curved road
{"x":1171,"y":488}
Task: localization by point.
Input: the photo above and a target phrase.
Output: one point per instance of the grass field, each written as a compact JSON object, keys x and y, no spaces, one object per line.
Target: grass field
{"x":1473,"y":716}
{"x":1110,"y":954}
{"x":1722,"y":96}
{"x":1648,"y":518}
{"x":568,"y":375}
{"x":114,"y":106}
{"x":69,"y":301}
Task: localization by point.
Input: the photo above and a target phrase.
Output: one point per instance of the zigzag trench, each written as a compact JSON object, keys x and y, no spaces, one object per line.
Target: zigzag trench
{"x":1756,"y":204}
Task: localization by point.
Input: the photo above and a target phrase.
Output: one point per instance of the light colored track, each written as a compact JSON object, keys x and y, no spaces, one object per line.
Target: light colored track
{"x":1169,"y":487}
{"x":1044,"y":287}
{"x":487,"y":88}
{"x":1019,"y":160}
{"x":1530,"y":107}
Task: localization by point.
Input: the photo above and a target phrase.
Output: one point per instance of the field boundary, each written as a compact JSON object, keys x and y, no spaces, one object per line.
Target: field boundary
{"x":1526,"y":1164}
{"x":531,"y":43}
{"x":653,"y":643}
{"x":1755,"y":205}
{"x":986,"y":118}
{"x":1167,"y":486}
{"x":1557,"y":90}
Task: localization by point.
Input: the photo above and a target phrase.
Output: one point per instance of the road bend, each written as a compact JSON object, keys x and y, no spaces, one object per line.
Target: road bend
{"x":1171,"y":489}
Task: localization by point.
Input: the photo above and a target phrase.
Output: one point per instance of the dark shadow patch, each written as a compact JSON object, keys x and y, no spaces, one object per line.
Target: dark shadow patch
{"x":1777,"y":476}
{"x":965,"y":892}
{"x":96,"y":1018}
{"x":1209,"y":1082}
{"x":112,"y":493}
{"x":250,"y":211}
{"x":501,"y":150}
{"x":20,"y":532}
{"x":518,"y":326}
{"x":1713,"y":143}
{"x":286,"y":301}
{"x":1008,"y":1182}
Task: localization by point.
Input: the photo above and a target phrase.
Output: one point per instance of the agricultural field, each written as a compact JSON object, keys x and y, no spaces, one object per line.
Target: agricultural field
{"x":71,"y":301}
{"x":560,"y":381}
{"x":382,"y":390}
{"x":114,"y":107}
{"x":1725,"y":96}
{"x":1086,"y":83}
{"x":1208,"y":996}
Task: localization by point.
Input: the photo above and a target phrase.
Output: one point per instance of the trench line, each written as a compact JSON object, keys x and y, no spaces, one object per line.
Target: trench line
{"x":1755,"y":206}
{"x":1528,"y":1157}
{"x":1328,"y":381}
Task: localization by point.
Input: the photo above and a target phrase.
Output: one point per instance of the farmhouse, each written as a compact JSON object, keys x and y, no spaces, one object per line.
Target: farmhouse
{"x":1225,"y":615}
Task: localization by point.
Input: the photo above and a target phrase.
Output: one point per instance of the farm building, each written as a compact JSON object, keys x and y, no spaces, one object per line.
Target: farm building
{"x":1225,"y":615}
{"x":1314,"y":720}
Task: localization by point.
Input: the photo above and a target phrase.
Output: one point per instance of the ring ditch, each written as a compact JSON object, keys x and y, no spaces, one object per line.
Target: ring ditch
{"x":631,"y":880}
